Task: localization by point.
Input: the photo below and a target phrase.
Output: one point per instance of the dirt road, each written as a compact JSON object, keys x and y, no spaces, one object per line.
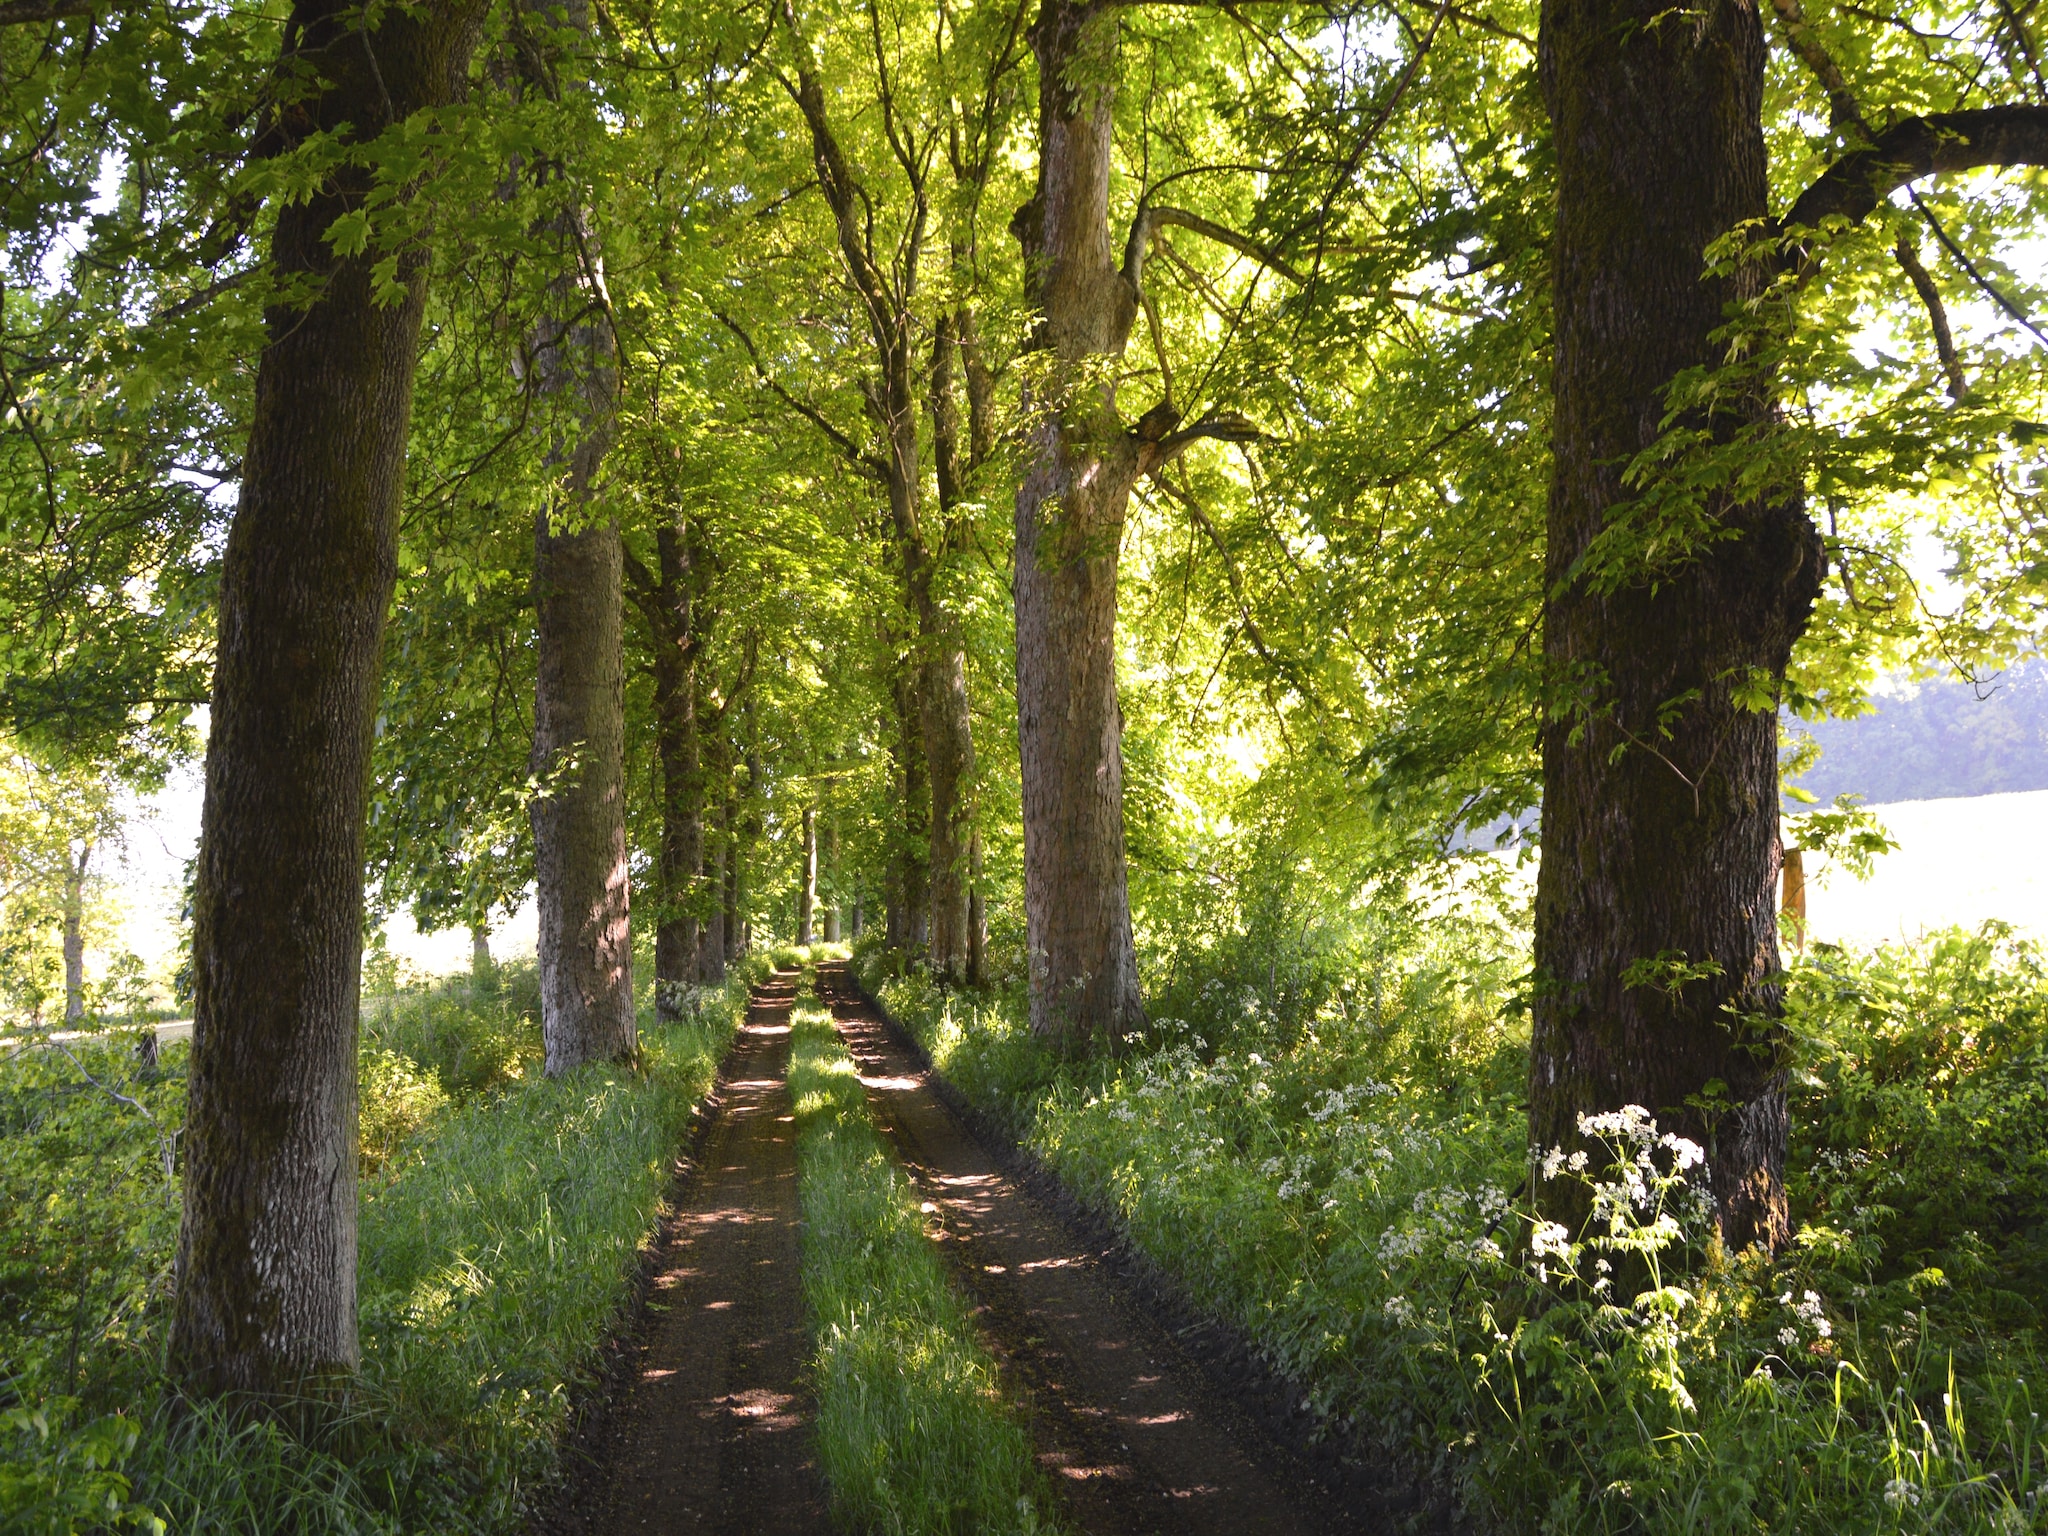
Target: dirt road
{"x":1132,"y":1433}
{"x":714,"y":1434}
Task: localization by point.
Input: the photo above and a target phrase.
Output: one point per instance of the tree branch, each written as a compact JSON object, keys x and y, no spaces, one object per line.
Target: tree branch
{"x":1163,"y":449}
{"x":1854,"y":185}
{"x":1153,"y":217}
{"x":866,"y":463}
{"x":1937,"y":315}
{"x":16,"y":12}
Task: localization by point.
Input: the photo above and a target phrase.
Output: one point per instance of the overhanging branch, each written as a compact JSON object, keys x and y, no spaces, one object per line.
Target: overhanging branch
{"x":1153,"y":217}
{"x":1854,"y":185}
{"x":19,"y":12}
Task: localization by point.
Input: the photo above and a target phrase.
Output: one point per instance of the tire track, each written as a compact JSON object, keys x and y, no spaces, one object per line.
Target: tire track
{"x":1132,"y":1432}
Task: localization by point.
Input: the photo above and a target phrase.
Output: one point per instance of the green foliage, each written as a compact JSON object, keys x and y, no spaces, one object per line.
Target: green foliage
{"x":914,"y":1432}
{"x":503,"y":1214}
{"x":1350,"y":1190}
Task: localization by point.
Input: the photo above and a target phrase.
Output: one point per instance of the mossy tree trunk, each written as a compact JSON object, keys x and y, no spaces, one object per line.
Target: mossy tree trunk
{"x":1656,"y":940}
{"x":667,"y":599}
{"x":1080,"y":466}
{"x":579,"y":815}
{"x":265,"y":1298}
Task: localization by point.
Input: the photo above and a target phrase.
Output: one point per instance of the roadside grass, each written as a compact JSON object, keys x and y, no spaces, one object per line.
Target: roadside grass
{"x":914,"y":1434}
{"x":502,"y":1215}
{"x":1347,"y":1189}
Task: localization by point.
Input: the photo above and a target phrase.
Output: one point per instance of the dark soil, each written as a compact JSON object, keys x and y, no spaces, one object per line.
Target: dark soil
{"x":708,"y":1428}
{"x":1136,"y":1434}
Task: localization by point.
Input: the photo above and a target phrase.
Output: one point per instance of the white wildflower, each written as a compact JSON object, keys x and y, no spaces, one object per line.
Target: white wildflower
{"x":1901,"y":1494}
{"x":1550,"y":1238}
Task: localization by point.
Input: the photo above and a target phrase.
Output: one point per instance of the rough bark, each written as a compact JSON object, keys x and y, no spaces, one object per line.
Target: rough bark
{"x":266,"y":1270}
{"x":828,"y":863}
{"x":729,"y":822}
{"x":716,"y":879}
{"x":948,"y":722}
{"x":1080,"y":466}
{"x":909,"y":870}
{"x":669,"y":607}
{"x":74,"y":932}
{"x":480,"y":962}
{"x":579,"y":822}
{"x":977,"y":916}
{"x":807,"y":878}
{"x":1656,"y":941}
{"x":579,"y":817}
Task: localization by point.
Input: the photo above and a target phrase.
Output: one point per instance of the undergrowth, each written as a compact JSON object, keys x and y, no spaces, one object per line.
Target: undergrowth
{"x":501,"y":1217}
{"x":1345,"y":1182}
{"x":914,"y":1434}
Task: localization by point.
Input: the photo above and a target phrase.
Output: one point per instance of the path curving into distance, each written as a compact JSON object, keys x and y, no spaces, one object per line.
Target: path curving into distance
{"x":1131,"y":1432}
{"x":713,"y":1433}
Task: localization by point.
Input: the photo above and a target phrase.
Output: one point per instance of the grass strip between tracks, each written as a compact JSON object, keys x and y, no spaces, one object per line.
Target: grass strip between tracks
{"x":914,"y":1432}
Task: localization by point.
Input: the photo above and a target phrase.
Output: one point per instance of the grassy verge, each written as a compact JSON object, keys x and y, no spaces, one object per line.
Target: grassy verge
{"x":1344,"y":1188}
{"x":502,"y":1216}
{"x":913,"y":1432}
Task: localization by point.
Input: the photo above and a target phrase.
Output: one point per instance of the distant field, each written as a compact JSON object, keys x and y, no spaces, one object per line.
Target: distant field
{"x":1958,"y":861}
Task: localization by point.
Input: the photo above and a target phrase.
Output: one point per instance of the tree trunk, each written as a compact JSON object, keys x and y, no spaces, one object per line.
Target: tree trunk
{"x":74,"y":933}
{"x":715,"y":880}
{"x":909,"y":879}
{"x":265,"y":1296}
{"x":1794,"y":905}
{"x":729,"y":829}
{"x":1655,"y":915}
{"x":828,"y":858}
{"x":887,"y":283}
{"x":480,"y":963}
{"x":678,"y":936}
{"x":948,"y":723}
{"x":579,"y":816}
{"x":1080,"y":466}
{"x":807,"y":882}
{"x":579,"y":822}
{"x":977,"y":916}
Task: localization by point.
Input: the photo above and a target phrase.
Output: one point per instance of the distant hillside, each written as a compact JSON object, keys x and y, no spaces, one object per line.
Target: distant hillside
{"x":1942,"y":742}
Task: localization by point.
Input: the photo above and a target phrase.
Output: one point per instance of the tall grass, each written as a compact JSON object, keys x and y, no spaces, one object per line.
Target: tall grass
{"x":913,"y":1431}
{"x":502,"y":1216}
{"x":1347,"y":1190}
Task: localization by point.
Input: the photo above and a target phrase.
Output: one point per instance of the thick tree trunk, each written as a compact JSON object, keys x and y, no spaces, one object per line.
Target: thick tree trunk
{"x":977,"y":916}
{"x":579,"y":731}
{"x":579,"y":818}
{"x":739,"y":884}
{"x":949,"y":762}
{"x":948,"y":723}
{"x":480,"y":963}
{"x":1080,"y":465}
{"x":678,"y":936}
{"x":828,"y":863}
{"x":714,"y":934}
{"x":74,"y":933}
{"x":909,"y":874}
{"x":265,"y":1299}
{"x":807,"y":879}
{"x":1656,"y":943}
